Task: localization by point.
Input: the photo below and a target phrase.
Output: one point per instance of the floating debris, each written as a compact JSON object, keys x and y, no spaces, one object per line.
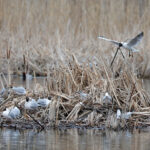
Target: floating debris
{"x":19,"y":90}
{"x":31,"y":104}
{"x":43,"y":102}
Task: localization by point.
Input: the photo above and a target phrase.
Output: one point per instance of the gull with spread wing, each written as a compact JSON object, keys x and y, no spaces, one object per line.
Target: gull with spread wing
{"x":127,"y":45}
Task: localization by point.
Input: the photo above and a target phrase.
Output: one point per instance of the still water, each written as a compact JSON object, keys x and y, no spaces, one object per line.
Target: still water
{"x":74,"y":139}
{"x":28,"y":84}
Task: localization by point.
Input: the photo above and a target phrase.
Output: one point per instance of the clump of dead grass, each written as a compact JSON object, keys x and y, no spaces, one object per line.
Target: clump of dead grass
{"x":77,"y":91}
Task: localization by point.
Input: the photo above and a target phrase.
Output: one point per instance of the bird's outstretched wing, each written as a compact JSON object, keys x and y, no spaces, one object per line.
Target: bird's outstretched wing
{"x":135,"y":40}
{"x":134,"y":50}
{"x":109,"y":40}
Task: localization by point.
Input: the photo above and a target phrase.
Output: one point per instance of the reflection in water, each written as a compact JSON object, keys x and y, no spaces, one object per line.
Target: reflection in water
{"x":28,"y":84}
{"x":74,"y":139}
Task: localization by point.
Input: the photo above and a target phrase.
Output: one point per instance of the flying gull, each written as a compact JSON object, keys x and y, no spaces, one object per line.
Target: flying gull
{"x":127,"y":45}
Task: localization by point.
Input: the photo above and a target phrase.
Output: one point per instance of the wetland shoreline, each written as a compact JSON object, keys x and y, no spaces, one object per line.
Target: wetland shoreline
{"x":83,"y":114}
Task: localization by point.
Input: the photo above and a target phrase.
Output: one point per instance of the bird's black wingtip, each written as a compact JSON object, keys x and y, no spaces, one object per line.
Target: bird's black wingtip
{"x":141,"y":34}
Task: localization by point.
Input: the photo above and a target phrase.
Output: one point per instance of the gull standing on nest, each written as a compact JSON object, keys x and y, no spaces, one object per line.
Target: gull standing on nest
{"x":11,"y":113}
{"x":19,"y":90}
{"x":118,"y":114}
{"x":127,"y":45}
{"x":15,"y":112}
{"x":5,"y":113}
{"x":107,"y":99}
{"x":44,"y":102}
{"x":30,"y":104}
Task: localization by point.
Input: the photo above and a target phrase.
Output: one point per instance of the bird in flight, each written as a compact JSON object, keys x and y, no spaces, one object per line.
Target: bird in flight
{"x":127,"y":45}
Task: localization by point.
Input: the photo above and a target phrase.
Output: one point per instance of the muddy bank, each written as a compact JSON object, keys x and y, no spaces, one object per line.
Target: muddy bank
{"x":26,"y":124}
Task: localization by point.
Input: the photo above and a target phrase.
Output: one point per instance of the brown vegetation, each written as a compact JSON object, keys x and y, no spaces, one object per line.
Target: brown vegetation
{"x":59,"y":39}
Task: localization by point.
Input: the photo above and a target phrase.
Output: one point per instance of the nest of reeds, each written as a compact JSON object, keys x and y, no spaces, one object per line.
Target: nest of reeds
{"x":77,"y":90}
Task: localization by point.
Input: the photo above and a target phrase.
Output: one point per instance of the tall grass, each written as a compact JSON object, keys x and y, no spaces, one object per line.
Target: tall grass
{"x":45,"y":30}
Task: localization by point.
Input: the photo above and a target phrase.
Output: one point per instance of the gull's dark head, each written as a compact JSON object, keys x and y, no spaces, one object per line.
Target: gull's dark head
{"x":49,"y":97}
{"x":120,"y":44}
{"x":27,"y":99}
{"x":4,"y":109}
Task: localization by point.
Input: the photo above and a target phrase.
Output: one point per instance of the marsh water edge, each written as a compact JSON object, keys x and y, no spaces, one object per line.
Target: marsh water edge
{"x":74,"y":139}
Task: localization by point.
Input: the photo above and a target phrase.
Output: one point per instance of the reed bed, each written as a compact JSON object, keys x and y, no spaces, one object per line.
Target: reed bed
{"x":42,"y":30}
{"x":77,"y":91}
{"x":58,"y":40}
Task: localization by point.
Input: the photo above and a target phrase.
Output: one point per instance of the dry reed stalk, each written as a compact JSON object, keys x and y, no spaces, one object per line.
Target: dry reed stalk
{"x":62,"y":95}
{"x":90,"y":118}
{"x":2,"y":84}
{"x":35,"y":120}
{"x":141,"y":113}
{"x":10,"y":98}
{"x":112,"y":121}
{"x":6,"y":82}
{"x":76,"y":34}
{"x":145,"y":108}
{"x":111,"y":83}
{"x":52,"y":110}
{"x":8,"y":66}
{"x":85,"y":114}
{"x":73,"y":115}
{"x":36,"y":68}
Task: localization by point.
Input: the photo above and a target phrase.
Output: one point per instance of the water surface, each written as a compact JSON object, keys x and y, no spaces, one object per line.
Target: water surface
{"x":74,"y":139}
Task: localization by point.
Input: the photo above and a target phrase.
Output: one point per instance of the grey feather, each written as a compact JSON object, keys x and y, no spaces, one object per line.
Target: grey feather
{"x":135,"y":40}
{"x":112,"y":41}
